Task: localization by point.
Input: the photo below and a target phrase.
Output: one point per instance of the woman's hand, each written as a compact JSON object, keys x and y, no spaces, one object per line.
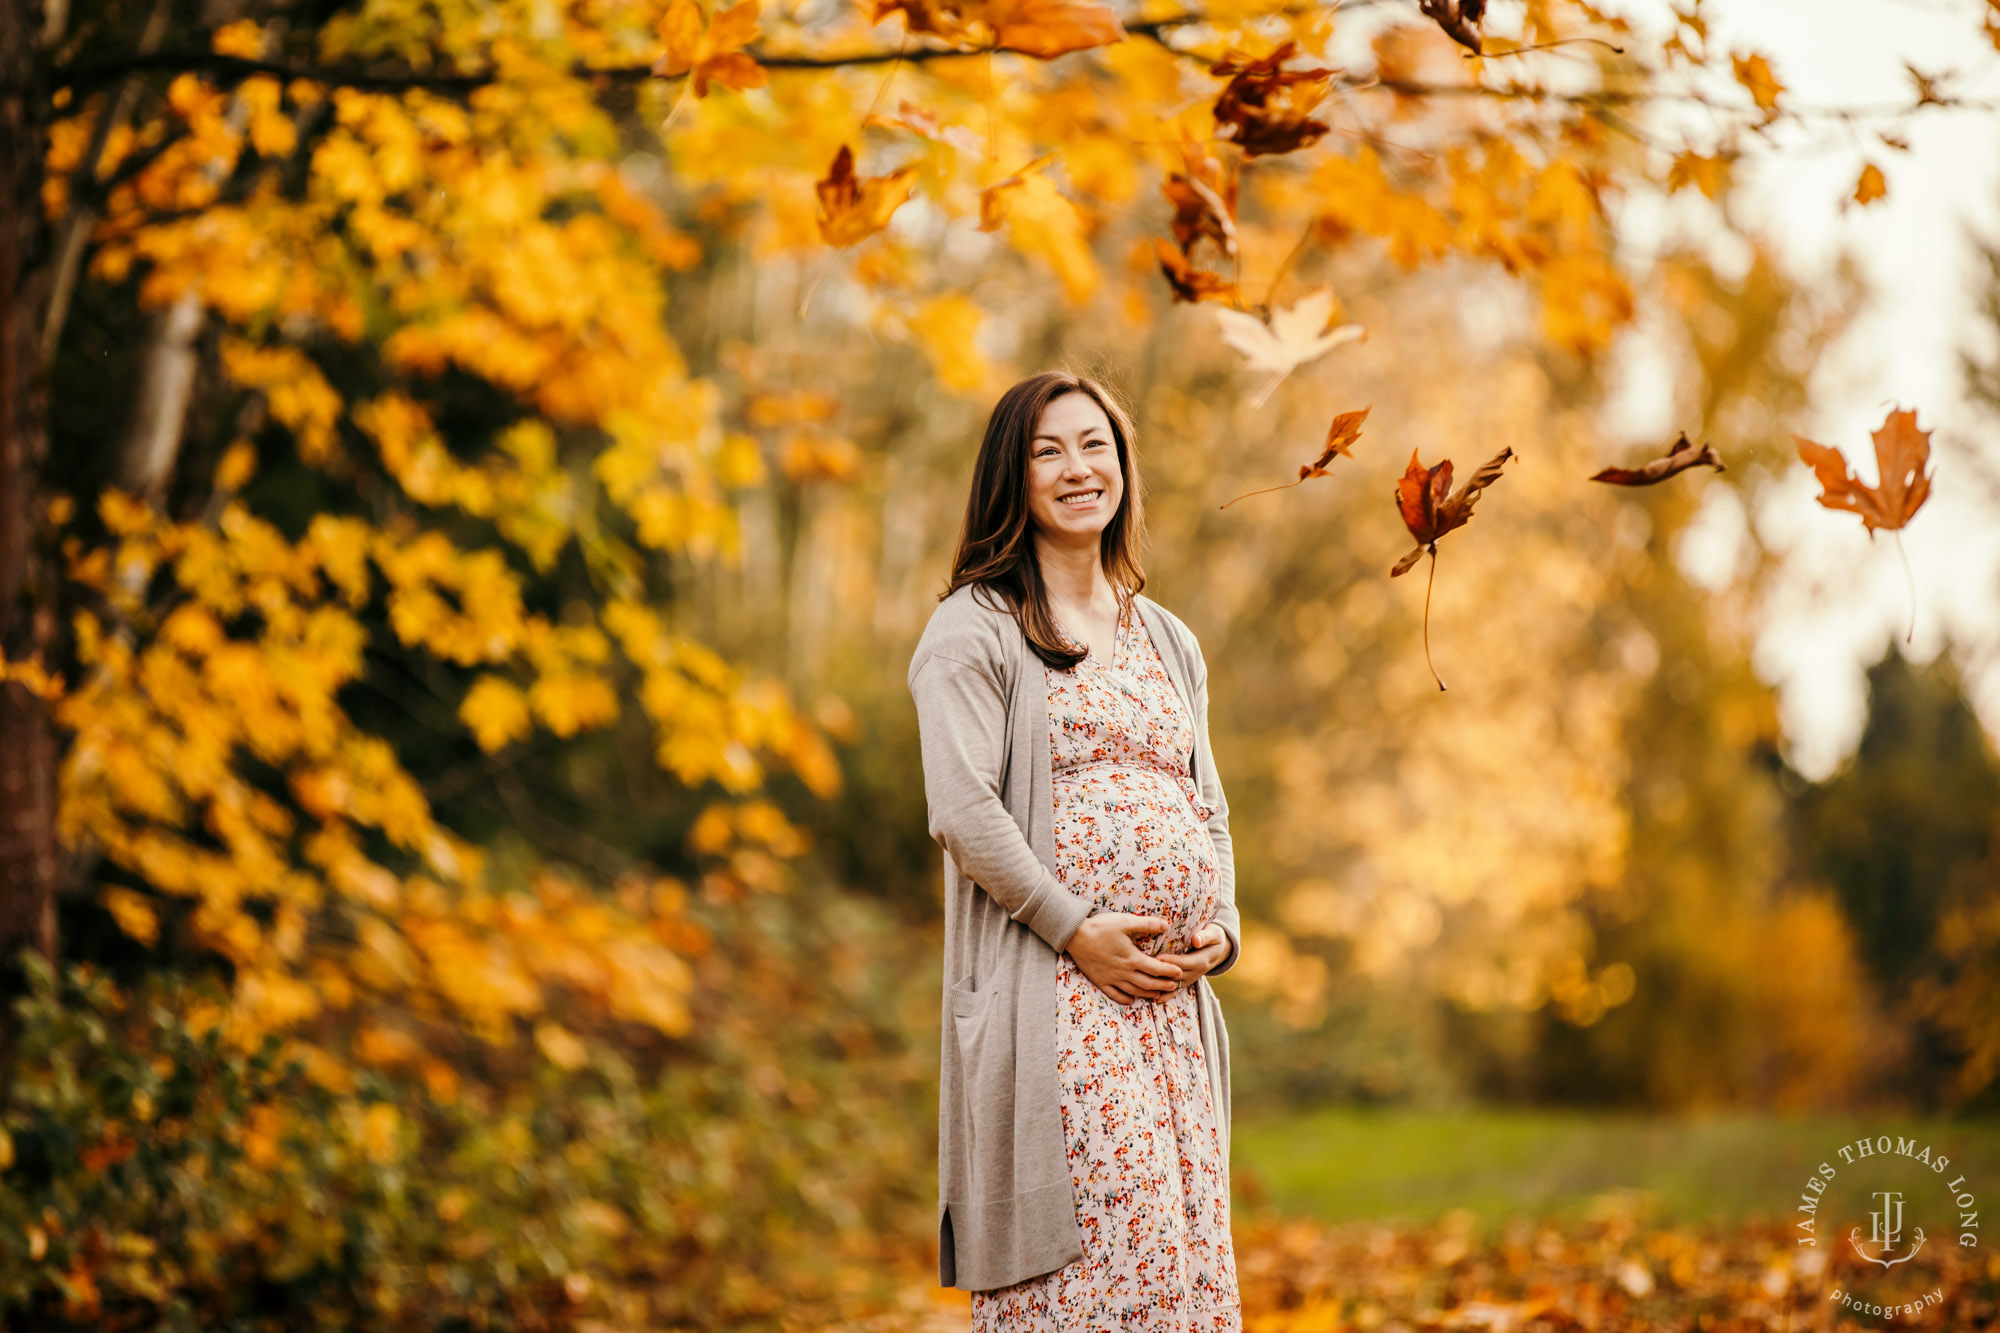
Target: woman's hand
{"x":1103,"y":948}
{"x":1211,"y":947}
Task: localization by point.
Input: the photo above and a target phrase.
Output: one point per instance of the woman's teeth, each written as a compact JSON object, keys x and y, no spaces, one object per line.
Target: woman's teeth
{"x":1079,"y":501}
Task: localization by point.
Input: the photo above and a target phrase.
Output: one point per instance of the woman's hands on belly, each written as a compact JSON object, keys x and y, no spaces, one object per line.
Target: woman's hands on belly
{"x":1211,"y":947}
{"x":1104,"y":950}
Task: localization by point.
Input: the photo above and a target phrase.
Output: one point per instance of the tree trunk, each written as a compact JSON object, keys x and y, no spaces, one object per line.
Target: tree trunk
{"x":27,"y":610}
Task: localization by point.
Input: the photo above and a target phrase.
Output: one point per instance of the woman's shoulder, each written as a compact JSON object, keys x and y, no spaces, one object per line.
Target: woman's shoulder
{"x":970,"y":626}
{"x":1175,"y":626}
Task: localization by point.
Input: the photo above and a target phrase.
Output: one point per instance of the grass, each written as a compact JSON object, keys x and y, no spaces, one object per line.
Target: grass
{"x":1409,"y":1167}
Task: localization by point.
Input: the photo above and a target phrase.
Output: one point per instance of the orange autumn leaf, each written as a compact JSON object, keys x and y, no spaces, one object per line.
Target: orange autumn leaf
{"x":1903,"y":483}
{"x":1041,"y":28}
{"x":1754,"y":73}
{"x":1710,"y":175}
{"x":1346,"y":428}
{"x":1187,"y":282}
{"x":1049,"y":28}
{"x":1677,"y":459}
{"x":1902,"y":453}
{"x":853,"y":208}
{"x":1871,"y":186}
{"x":711,"y":54}
{"x":992,"y":199}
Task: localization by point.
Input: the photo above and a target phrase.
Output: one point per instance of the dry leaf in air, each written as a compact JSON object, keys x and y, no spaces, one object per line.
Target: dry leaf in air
{"x":1677,"y":459}
{"x":1293,"y":337}
{"x":1189,"y":283}
{"x":1458,"y":18}
{"x":1430,"y":509}
{"x":853,"y":208}
{"x":922,"y":120}
{"x":1902,"y":454}
{"x":1346,"y":428}
{"x":1265,"y":109}
{"x":1871,"y":186}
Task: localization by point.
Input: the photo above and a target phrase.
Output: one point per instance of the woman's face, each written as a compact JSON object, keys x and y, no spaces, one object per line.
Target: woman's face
{"x":1074,"y":453}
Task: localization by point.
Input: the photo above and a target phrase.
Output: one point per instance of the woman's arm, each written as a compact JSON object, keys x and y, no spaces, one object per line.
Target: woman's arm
{"x":1218,"y":828}
{"x":962,"y":727}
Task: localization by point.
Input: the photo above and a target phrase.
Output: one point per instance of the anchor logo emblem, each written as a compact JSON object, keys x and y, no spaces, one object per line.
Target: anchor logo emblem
{"x":1887,"y":1227}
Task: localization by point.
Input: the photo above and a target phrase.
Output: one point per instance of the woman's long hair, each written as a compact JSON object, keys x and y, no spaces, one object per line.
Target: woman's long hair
{"x":996,"y":547}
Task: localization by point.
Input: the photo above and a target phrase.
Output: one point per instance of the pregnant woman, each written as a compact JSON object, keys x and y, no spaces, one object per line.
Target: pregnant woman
{"x":1083,"y":1111}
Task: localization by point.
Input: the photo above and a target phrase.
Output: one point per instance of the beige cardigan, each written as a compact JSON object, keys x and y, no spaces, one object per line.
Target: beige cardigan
{"x":1005,"y":1212}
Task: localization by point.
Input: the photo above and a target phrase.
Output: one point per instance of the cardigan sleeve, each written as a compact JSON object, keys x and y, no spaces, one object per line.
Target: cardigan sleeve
{"x":1218,"y":829}
{"x":962,"y":728}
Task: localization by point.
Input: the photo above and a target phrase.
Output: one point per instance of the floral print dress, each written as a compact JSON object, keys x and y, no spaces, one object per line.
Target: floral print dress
{"x":1146,"y":1158}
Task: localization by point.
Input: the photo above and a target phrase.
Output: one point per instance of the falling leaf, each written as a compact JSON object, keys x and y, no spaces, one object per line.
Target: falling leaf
{"x":1293,"y":337}
{"x":1710,"y":175}
{"x":1264,"y":109}
{"x":924,"y":121}
{"x":714,"y":54}
{"x":1346,"y":428}
{"x":1199,"y":211}
{"x":1754,"y":73}
{"x":1677,"y":459}
{"x":1871,"y":186}
{"x":1189,"y":283}
{"x":1429,"y":513}
{"x":854,"y":208}
{"x":1902,"y":453}
{"x":1457,"y":18}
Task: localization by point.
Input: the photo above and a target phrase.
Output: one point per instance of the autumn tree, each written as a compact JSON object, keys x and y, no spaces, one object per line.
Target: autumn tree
{"x":381,"y":471}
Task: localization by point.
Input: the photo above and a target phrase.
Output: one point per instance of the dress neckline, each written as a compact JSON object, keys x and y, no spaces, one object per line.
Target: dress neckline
{"x":1118,"y":636}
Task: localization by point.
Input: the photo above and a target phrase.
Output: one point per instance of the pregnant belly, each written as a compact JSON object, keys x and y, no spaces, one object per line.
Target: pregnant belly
{"x":1127,"y":839}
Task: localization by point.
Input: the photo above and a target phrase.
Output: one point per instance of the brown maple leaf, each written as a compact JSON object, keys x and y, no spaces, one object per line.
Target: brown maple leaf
{"x":1199,"y":211}
{"x":1191,"y":284}
{"x":1265,"y":109}
{"x":853,"y":208}
{"x":1458,"y":19}
{"x":1902,"y":455}
{"x":1430,"y":509}
{"x":1346,"y":428}
{"x":1677,"y":459}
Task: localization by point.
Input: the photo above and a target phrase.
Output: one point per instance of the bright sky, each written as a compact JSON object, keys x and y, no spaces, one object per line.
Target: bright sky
{"x":1844,"y":598}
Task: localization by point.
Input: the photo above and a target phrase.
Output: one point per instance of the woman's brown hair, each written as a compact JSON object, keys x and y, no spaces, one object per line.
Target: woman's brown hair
{"x":996,"y":548}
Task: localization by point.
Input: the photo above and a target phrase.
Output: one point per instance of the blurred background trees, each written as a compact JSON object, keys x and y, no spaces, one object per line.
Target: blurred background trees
{"x":466,"y":514}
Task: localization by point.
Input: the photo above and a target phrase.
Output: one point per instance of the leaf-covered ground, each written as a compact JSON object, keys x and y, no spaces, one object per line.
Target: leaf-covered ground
{"x":1609,"y":1275}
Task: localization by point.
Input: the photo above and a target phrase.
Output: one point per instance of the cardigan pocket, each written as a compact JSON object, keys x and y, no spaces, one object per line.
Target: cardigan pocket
{"x":979,"y":1027}
{"x":966,"y":1002}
